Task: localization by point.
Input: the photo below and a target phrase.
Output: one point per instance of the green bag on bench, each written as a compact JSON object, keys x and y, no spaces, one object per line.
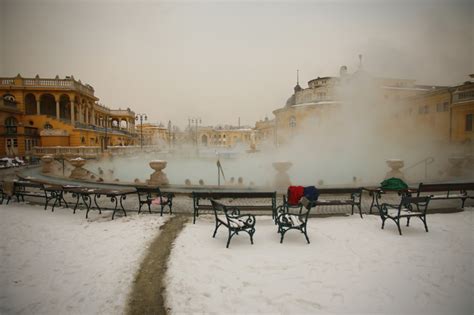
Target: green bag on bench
{"x":393,"y":184}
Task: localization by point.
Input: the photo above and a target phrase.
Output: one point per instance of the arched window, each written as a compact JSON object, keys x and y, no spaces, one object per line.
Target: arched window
{"x":48,"y":105}
{"x":30,"y":104}
{"x":292,"y":122}
{"x":65,"y":107}
{"x":47,"y":126}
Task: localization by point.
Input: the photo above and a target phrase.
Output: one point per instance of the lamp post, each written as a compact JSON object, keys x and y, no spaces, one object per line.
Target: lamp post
{"x":141,"y":117}
{"x":104,"y":144}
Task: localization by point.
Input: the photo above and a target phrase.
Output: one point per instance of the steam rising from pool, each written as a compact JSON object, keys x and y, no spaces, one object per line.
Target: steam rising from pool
{"x":345,"y":144}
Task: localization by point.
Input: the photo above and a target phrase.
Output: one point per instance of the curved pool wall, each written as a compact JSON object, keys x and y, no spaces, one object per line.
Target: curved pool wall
{"x":254,"y":168}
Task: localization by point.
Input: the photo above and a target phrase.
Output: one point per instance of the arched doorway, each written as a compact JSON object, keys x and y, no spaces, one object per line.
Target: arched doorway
{"x":30,"y":104}
{"x":204,"y":140}
{"x":48,"y":105}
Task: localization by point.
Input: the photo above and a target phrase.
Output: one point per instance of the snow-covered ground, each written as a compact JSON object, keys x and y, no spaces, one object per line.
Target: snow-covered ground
{"x":351,"y":266}
{"x":60,"y":263}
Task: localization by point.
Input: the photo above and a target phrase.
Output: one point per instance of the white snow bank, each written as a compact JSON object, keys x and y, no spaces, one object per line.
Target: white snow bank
{"x":351,"y":266}
{"x":60,"y":263}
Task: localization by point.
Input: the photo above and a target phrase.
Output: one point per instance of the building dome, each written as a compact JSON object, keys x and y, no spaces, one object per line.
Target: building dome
{"x":291,"y":101}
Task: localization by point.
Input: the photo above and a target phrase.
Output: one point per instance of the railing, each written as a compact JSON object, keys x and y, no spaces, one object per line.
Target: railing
{"x":68,"y":83}
{"x":30,"y":131}
{"x":427,"y":161}
{"x":91,"y":152}
{"x":67,"y":151}
{"x":110,"y":130}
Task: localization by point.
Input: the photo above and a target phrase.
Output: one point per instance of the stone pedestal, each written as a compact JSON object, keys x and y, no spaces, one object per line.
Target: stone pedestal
{"x":78,"y":172}
{"x":456,"y":167}
{"x":47,"y":164}
{"x":282,"y":179}
{"x":395,"y":165}
{"x":158,"y":177}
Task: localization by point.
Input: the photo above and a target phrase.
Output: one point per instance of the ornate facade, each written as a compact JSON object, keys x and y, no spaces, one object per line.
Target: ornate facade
{"x":58,"y":112}
{"x":446,"y":112}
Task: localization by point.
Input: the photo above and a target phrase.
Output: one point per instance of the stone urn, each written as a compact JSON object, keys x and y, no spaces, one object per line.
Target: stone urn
{"x":78,"y":172}
{"x":282,"y":179}
{"x":158,"y":177}
{"x":47,"y":163}
{"x":456,"y":166}
{"x":395,"y":165}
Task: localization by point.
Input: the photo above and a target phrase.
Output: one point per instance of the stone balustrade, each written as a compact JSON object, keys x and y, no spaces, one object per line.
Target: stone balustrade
{"x":67,"y":83}
{"x":91,"y":152}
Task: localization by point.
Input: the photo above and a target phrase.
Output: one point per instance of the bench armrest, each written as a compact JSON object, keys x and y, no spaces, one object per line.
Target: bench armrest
{"x":233,"y":212}
{"x":248,"y":219}
{"x":389,"y":205}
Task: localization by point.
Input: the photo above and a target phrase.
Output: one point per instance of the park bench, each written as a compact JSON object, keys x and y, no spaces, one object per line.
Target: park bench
{"x":268,"y":198}
{"x":286,"y":220}
{"x":376,"y":194}
{"x":153,"y":195}
{"x":235,"y":222}
{"x":23,"y":188}
{"x":447,"y":191}
{"x":336,"y":197}
{"x":409,"y":207}
{"x":3,"y":193}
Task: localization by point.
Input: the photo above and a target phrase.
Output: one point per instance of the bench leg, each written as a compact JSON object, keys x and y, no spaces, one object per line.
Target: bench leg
{"x":383,"y":222}
{"x":215,"y":231}
{"x":398,"y":226}
{"x":360,"y":211}
{"x":305,"y":234}
{"x":408,"y":221}
{"x":424,"y":222}
{"x":463,"y":201}
{"x":228,"y":239}
{"x":251,"y":237}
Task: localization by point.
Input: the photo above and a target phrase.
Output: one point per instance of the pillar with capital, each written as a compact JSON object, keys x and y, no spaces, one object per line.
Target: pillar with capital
{"x":87,"y":115}
{"x":72,"y":112}
{"x":57,"y":110}
{"x":38,"y":106}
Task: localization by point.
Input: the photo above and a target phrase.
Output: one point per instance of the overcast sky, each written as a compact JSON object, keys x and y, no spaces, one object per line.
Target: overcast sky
{"x":223,"y":60}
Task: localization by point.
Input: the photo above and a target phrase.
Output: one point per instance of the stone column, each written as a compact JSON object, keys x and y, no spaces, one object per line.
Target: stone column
{"x":87,"y":115}
{"x":93,"y":115}
{"x":79,"y":112}
{"x":38,"y":107}
{"x":57,"y":110}
{"x":72,"y":113}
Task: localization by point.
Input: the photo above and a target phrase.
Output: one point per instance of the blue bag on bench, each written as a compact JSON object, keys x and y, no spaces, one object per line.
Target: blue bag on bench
{"x":311,"y":193}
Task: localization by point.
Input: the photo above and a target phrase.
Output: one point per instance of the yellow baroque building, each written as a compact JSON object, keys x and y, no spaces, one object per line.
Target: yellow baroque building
{"x":223,"y":136}
{"x":446,"y":112}
{"x":58,"y":112}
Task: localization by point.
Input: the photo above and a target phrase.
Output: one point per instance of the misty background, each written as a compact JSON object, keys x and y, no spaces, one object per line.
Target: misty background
{"x":223,"y":60}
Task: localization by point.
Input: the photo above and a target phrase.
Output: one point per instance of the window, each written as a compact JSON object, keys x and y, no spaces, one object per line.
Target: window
{"x":446,"y":107}
{"x":442,"y":107}
{"x":47,"y":126}
{"x":10,"y":125}
{"x":469,"y":122}
{"x":292,"y":122}
{"x":423,"y":109}
{"x":464,"y":95}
